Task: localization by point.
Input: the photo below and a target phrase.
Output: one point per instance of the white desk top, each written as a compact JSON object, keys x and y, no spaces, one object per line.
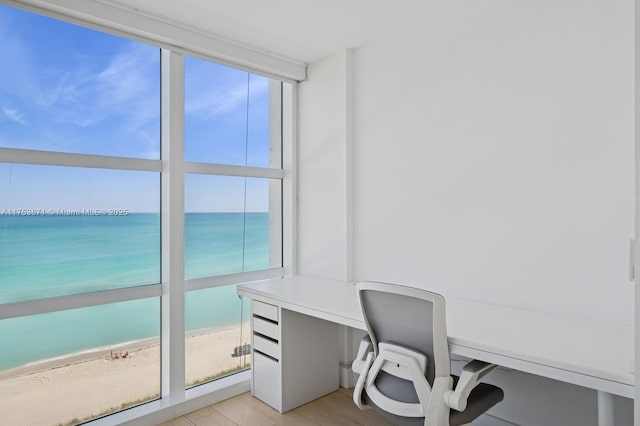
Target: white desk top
{"x":587,"y":353}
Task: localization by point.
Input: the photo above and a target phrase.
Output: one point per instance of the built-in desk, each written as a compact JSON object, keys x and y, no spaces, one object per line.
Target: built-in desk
{"x":586,"y":353}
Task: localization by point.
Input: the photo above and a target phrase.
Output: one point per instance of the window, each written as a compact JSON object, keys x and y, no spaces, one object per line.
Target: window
{"x":98,"y":212}
{"x":232,"y":223}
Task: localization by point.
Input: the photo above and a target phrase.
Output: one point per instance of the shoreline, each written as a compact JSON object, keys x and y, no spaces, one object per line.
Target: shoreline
{"x":75,"y":357}
{"x":98,"y":353}
{"x":81,"y":386}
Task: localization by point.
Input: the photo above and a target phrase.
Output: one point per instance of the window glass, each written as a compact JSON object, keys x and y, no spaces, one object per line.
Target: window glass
{"x":73,"y":89}
{"x":72,"y":366}
{"x":218,"y":342}
{"x":73,"y":230}
{"x":226,"y":115}
{"x":229,"y":227}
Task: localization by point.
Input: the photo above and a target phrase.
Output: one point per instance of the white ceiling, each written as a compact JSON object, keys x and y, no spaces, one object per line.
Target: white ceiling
{"x":304,"y":30}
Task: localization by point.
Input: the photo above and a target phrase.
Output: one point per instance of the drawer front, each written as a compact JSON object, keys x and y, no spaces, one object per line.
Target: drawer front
{"x":267,"y":385}
{"x":265,"y":310}
{"x":266,"y":346}
{"x":266,"y":328}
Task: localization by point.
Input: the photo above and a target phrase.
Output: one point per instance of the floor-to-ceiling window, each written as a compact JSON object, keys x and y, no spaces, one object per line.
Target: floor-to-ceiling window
{"x":137,"y":187}
{"x":232,"y":207}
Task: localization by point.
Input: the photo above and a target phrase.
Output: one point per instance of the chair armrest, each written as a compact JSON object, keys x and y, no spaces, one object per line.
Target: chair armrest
{"x":363,"y":350}
{"x":471,"y":375}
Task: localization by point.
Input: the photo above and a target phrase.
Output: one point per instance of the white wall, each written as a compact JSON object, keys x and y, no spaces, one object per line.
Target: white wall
{"x":494,"y":160}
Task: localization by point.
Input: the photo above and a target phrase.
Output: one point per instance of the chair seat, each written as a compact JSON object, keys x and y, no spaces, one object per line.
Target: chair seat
{"x":482,"y":397}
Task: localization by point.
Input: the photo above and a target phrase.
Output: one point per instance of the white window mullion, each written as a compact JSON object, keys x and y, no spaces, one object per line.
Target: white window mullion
{"x":230,"y":279}
{"x":231,"y":170}
{"x":75,"y":301}
{"x":173,"y":323}
{"x":49,"y":158}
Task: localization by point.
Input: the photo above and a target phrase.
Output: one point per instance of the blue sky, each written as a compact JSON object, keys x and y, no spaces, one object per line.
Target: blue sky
{"x":71,"y":89}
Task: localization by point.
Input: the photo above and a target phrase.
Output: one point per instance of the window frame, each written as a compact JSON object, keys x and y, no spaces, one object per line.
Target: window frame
{"x":133,"y":24}
{"x":172,"y":168}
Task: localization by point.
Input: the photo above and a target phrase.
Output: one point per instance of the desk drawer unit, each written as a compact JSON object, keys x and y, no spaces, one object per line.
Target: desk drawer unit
{"x":266,"y":381}
{"x":294,"y":357}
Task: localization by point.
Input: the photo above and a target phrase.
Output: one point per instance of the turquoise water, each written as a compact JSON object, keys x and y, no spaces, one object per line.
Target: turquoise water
{"x":46,"y":256}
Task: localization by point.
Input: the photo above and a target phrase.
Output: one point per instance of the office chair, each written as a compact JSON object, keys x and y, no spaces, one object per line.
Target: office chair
{"x":404,"y":364}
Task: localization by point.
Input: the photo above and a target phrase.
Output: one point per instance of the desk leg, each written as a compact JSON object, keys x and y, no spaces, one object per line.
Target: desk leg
{"x":605,"y":409}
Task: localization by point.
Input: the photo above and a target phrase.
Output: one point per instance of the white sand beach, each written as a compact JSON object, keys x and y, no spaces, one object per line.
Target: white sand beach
{"x":80,"y":386}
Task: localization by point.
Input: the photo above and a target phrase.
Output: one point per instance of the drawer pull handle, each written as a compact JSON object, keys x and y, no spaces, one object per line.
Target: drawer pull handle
{"x":265,"y":355}
{"x":265,"y":319}
{"x":271,"y":339}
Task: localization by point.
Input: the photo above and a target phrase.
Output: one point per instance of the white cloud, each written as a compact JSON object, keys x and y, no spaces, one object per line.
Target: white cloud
{"x":210,"y":102}
{"x":124,"y":87}
{"x":13,"y":115}
{"x":126,"y":77}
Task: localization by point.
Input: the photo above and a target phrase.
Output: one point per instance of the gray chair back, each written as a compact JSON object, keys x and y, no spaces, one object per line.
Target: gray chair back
{"x":409,"y":321}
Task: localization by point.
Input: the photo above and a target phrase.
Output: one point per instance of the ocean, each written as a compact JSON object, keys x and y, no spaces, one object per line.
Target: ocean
{"x":54,"y":255}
